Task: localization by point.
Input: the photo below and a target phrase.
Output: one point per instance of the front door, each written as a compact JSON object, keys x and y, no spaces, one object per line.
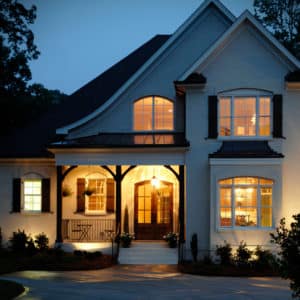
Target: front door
{"x":153,"y":210}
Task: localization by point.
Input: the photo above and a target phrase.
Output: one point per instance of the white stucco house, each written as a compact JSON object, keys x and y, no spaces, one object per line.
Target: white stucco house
{"x":194,"y":132}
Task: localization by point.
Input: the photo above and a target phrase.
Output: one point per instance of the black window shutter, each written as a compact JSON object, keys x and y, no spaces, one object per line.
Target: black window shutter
{"x":80,"y":194}
{"x":45,"y":195}
{"x":212,"y":117}
{"x":16,"y":205}
{"x":110,"y":195}
{"x":277,"y":116}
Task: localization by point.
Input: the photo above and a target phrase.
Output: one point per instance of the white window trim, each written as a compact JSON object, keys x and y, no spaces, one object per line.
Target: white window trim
{"x":96,"y":212}
{"x":153,"y":116}
{"x":233,"y":227}
{"x":245,"y":93}
{"x":27,"y":211}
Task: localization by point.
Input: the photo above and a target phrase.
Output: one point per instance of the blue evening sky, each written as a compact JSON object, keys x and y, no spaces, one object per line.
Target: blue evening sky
{"x":79,"y":39}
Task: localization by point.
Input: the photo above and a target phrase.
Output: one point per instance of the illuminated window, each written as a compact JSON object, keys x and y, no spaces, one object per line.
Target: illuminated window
{"x":95,"y":196}
{"x":242,"y":116}
{"x":245,"y":202}
{"x":153,"y":114}
{"x":32,"y":195}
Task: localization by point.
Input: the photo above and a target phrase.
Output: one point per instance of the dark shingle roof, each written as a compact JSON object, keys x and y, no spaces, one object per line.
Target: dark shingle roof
{"x":245,"y":149}
{"x":33,"y":140}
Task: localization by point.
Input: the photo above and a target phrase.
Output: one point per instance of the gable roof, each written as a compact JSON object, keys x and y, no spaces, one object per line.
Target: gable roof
{"x":246,"y":16}
{"x":32,"y":140}
{"x":216,"y":3}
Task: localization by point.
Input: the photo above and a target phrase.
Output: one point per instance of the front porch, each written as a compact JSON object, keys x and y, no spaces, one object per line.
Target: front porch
{"x":144,"y":200}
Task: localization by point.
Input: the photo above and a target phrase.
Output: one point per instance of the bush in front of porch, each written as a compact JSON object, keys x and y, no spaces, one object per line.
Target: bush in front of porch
{"x":24,"y":253}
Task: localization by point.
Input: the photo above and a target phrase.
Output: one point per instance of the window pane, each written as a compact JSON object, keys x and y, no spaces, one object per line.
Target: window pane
{"x":163,"y":114}
{"x":244,"y":116}
{"x":97,"y":200}
{"x":143,"y":114}
{"x":225,"y":129}
{"x":226,"y":181}
{"x":245,"y":197}
{"x":264,"y":126}
{"x":266,"y":217}
{"x":248,"y":217}
{"x":32,"y":195}
{"x":225,"y":107}
{"x":225,"y":217}
{"x":266,"y":196}
{"x":265,"y":181}
{"x":264,"y":116}
{"x":225,"y":197}
{"x":245,"y":180}
{"x":264,"y":106}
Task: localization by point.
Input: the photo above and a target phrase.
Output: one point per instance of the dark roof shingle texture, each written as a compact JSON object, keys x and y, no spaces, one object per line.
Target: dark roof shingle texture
{"x":33,"y":140}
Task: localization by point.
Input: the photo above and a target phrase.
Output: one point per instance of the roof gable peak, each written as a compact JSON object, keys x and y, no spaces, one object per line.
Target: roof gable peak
{"x":244,"y":17}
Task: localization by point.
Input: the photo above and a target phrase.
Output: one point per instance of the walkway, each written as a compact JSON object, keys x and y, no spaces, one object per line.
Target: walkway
{"x":145,"y":282}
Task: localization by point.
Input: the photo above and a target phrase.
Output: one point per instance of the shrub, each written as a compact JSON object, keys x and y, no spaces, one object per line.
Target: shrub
{"x":30,"y":247}
{"x":125,"y":239}
{"x":171,"y":239}
{"x":194,"y":246}
{"x":264,"y":258}
{"x":289,"y":241}
{"x":243,"y":254}
{"x":225,"y":253}
{"x":18,"y":241}
{"x":42,"y":241}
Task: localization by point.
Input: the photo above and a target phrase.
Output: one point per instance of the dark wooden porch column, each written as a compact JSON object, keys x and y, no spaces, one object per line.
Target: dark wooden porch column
{"x":118,"y":179}
{"x":59,"y":178}
{"x":181,"y":204}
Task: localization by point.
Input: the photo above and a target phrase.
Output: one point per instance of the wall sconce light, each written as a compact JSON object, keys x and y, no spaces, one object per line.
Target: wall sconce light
{"x":155,"y":182}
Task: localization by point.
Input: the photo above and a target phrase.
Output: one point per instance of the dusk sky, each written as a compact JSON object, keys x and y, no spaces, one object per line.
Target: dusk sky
{"x":79,"y":39}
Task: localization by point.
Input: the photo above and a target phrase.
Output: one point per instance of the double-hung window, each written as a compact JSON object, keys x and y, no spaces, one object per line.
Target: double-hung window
{"x":32,"y":195}
{"x":245,"y":202}
{"x":96,"y":200}
{"x":245,"y":116}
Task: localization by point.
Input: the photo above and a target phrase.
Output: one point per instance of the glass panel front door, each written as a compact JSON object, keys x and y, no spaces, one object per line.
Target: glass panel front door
{"x":153,"y":210}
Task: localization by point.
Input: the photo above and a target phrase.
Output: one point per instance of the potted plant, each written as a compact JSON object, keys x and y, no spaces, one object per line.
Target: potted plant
{"x":125,"y":239}
{"x":89,"y":191}
{"x":66,"y":191}
{"x":171,"y":239}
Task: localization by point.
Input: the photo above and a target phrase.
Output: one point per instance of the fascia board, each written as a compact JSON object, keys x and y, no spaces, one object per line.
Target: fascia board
{"x":245,"y":161}
{"x":234,"y":28}
{"x":148,"y":63}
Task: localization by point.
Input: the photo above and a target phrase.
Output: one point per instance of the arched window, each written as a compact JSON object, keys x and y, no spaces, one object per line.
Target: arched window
{"x":153,"y":113}
{"x":245,"y":202}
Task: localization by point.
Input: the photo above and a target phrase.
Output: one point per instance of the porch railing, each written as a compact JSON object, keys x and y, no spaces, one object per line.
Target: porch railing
{"x":88,"y":230}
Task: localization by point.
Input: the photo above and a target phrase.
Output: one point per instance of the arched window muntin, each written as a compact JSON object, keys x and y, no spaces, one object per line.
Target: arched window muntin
{"x":245,"y":113}
{"x":245,"y":202}
{"x":153,"y":113}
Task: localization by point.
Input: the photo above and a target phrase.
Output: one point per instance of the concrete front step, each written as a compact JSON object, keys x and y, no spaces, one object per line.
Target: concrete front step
{"x":148,"y":252}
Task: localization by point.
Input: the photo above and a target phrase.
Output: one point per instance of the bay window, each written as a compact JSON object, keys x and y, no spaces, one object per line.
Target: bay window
{"x":245,"y":202}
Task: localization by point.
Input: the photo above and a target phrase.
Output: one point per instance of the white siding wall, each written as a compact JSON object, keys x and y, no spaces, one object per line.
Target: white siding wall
{"x":158,"y":80}
{"x":246,"y":62}
{"x":32,"y":223}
